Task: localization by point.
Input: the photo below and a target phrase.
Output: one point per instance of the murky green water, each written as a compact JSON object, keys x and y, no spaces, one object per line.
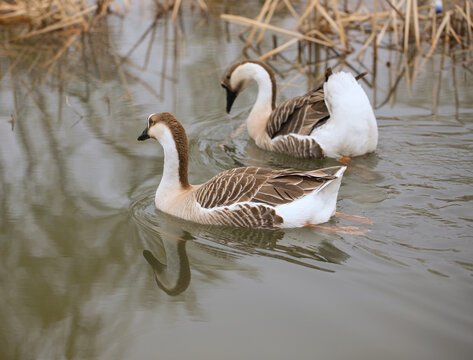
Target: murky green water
{"x":81,"y":242}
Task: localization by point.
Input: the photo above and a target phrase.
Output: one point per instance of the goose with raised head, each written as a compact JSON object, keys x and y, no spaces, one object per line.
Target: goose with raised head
{"x":334,"y":120}
{"x":246,"y":196}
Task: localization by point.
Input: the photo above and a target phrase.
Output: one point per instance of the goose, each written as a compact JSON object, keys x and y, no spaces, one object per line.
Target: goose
{"x":335,"y":120}
{"x":251,"y":196}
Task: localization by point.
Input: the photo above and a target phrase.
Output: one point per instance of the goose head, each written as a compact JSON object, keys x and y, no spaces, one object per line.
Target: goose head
{"x":160,"y":124}
{"x":237,"y":77}
{"x":170,"y":133}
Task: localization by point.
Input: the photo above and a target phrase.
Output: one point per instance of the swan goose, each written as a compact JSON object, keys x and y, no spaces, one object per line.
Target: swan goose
{"x":247,"y":196}
{"x":335,"y":120}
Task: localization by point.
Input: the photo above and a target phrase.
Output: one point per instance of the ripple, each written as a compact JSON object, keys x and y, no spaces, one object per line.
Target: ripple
{"x":298,"y":246}
{"x":143,"y":212}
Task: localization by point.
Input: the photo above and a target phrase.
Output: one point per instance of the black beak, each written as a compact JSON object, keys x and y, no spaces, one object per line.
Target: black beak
{"x":144,"y":135}
{"x":231,"y":96}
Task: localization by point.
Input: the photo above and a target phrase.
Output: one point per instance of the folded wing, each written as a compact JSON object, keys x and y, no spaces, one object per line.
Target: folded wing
{"x":299,"y":115}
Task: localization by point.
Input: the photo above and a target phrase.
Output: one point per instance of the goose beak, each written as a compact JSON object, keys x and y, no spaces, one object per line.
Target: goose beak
{"x":144,"y":135}
{"x":231,"y":96}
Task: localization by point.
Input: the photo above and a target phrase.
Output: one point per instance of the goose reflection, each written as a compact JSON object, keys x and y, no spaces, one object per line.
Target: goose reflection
{"x":174,"y":246}
{"x":173,"y":277}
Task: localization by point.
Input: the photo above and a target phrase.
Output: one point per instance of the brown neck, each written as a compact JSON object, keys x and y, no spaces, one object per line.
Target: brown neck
{"x":182,"y":146}
{"x":183,"y":153}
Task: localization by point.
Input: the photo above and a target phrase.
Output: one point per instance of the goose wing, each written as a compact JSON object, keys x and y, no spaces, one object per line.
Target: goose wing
{"x":299,"y":115}
{"x":260,"y":186}
{"x":298,"y":146}
{"x":286,"y":186}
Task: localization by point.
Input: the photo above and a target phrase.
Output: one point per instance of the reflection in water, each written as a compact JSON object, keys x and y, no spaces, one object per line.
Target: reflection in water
{"x":168,"y":236}
{"x":174,"y":276}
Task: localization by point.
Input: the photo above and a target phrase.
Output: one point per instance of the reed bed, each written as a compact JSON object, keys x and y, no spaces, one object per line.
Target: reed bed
{"x":32,"y":18}
{"x":341,"y":24}
{"x":361,"y":35}
{"x":44,"y":32}
{"x":364,"y":35}
{"x":70,"y":58}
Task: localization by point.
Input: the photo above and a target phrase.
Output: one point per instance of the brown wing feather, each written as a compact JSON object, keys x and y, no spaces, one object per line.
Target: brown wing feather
{"x":246,"y":215}
{"x":302,"y":114}
{"x":231,"y":186}
{"x":260,"y":185}
{"x":299,"y":115}
{"x":291,"y":185}
{"x":297,"y":146}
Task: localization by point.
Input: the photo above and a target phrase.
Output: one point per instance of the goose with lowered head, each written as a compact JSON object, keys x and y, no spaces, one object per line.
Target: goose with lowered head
{"x":247,"y":196}
{"x":334,"y":120}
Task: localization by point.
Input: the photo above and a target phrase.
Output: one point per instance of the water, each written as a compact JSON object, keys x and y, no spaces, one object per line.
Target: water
{"x":81,"y":241}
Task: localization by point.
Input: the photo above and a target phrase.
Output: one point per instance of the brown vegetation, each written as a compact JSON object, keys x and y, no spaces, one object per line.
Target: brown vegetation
{"x":363,"y":35}
{"x":31,"y":18}
{"x":339,"y":24}
{"x":37,"y":17}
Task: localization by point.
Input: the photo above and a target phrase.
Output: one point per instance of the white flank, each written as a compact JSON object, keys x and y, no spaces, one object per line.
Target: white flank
{"x":314,"y":208}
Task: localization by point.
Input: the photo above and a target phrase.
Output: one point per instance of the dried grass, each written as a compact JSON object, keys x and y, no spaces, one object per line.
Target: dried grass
{"x":335,"y":24}
{"x":36,"y":17}
{"x":398,"y":35}
{"x":63,"y":27}
{"x":66,"y":55}
{"x":30,"y":18}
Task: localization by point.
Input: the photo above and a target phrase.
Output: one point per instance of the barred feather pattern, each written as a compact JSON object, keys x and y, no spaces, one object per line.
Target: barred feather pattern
{"x":246,"y":215}
{"x":231,"y":186}
{"x":299,"y":115}
{"x":246,"y":197}
{"x":297,"y":146}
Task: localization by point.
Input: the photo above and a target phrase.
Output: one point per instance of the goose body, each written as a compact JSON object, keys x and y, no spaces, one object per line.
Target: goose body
{"x":247,"y":196}
{"x":334,"y":120}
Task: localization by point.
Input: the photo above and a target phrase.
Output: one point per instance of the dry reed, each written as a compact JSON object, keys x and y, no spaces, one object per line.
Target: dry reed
{"x":38,"y":17}
{"x":63,"y":27}
{"x":342,"y":33}
{"x":31,"y":18}
{"x":335,"y":24}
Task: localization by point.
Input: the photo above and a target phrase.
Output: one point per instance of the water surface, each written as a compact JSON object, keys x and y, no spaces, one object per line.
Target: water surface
{"x":81,"y":243}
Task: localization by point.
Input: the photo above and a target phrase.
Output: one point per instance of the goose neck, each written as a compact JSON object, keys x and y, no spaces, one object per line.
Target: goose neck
{"x":265,"y":100}
{"x":176,"y":161}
